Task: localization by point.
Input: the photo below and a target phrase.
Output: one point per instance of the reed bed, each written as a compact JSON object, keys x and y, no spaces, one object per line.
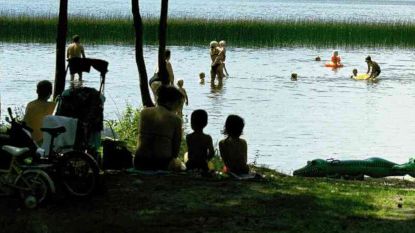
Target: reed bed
{"x":199,"y":32}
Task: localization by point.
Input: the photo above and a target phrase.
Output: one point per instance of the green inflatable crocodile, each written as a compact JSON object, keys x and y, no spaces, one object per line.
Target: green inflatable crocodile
{"x":373,"y":167}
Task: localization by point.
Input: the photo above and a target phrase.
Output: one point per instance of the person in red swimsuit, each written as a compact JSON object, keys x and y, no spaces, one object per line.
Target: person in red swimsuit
{"x":335,"y":59}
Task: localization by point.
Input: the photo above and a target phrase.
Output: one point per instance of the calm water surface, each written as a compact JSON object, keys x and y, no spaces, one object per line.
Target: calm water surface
{"x":324,"y":114}
{"x":359,"y":10}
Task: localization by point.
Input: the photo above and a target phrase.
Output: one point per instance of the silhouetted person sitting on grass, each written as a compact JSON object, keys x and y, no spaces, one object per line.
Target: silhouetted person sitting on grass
{"x":37,"y":109}
{"x":199,"y":144}
{"x":234,"y":150}
{"x":160,"y":131}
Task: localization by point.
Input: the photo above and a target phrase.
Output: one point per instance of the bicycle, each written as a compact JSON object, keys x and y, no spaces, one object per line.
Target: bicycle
{"x":32,"y":183}
{"x":76,"y":170}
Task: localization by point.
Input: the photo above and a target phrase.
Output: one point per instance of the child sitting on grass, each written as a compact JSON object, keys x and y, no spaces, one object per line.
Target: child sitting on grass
{"x":199,"y":144}
{"x":233,"y":149}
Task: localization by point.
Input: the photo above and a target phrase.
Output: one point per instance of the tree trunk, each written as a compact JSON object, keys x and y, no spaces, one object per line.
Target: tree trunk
{"x":162,"y":42}
{"x":60,"y":48}
{"x":139,"y":57}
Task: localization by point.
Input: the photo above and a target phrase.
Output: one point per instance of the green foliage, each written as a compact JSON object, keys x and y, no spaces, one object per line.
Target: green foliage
{"x":126,"y":127}
{"x":195,"y":31}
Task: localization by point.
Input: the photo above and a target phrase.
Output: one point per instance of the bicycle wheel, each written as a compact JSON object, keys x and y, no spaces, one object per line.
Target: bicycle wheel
{"x":35,"y":183}
{"x":79,"y":173}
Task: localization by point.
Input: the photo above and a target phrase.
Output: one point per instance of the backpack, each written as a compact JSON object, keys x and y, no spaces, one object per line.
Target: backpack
{"x":116,"y":156}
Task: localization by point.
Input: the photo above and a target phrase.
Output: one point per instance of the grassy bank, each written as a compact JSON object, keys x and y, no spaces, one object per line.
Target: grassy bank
{"x":193,"y":31}
{"x":178,"y":203}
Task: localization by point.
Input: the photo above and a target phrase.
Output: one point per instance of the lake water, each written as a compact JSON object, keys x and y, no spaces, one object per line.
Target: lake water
{"x":324,"y":114}
{"x":357,"y":10}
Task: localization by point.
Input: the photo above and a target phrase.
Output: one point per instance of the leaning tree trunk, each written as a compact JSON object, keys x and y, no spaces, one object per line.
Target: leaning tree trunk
{"x":139,"y":57}
{"x":162,"y":42}
{"x":60,"y":48}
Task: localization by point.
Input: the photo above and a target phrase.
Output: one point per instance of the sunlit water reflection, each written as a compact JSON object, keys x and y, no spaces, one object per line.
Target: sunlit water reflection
{"x":324,"y":114}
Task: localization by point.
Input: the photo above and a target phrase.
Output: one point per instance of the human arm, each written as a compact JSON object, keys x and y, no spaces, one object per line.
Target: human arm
{"x":82,"y":51}
{"x":244,"y":152}
{"x":211,"y":150}
{"x":177,"y":137}
{"x":185,"y":96}
{"x":368,"y":68}
{"x":170,"y":72}
{"x":67,"y":53}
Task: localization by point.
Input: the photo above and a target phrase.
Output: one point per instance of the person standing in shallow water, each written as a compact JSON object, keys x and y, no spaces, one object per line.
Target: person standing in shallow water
{"x":373,"y":68}
{"x":216,"y":65}
{"x":160,"y":131}
{"x":74,"y":53}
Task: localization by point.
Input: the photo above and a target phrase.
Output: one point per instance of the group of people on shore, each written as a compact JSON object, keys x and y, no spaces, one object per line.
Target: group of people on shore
{"x":160,"y":136}
{"x":160,"y":131}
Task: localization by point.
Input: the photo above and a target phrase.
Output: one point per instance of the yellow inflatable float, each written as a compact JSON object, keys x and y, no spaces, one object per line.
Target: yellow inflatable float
{"x":361,"y":77}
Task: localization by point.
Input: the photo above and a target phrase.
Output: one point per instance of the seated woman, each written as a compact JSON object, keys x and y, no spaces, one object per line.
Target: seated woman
{"x":160,"y":131}
{"x":233,"y":149}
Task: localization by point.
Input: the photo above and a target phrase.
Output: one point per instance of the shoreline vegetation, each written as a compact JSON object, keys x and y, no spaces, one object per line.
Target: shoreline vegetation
{"x":199,"y":32}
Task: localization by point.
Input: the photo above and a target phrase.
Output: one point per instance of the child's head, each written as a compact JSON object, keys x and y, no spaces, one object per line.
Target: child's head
{"x":213,"y":44}
{"x":317,"y":58}
{"x":234,"y":126}
{"x":335,"y":53}
{"x":198,"y":119}
{"x":76,"y":38}
{"x":354,"y":72}
{"x":44,"y":89}
{"x":294,"y":76}
{"x":222,"y":43}
{"x":180,"y":83}
{"x":167,"y":54}
{"x":201,"y":75}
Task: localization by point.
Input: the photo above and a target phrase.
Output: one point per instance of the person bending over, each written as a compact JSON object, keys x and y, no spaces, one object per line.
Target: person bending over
{"x":74,"y":53}
{"x":37,"y":109}
{"x":233,"y":149}
{"x":160,"y":131}
{"x":373,"y":68}
{"x":199,"y":144}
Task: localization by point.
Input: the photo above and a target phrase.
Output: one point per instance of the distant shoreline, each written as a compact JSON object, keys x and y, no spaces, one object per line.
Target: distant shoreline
{"x":199,"y":32}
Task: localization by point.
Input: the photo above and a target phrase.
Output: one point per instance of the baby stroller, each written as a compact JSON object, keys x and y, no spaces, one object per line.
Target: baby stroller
{"x":87,"y":105}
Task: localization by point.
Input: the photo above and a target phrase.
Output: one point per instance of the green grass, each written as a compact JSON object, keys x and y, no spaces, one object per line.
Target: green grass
{"x":179,"y":203}
{"x":199,"y":32}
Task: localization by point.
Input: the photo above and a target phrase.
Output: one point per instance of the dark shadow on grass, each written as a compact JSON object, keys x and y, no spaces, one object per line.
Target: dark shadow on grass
{"x":185,"y":204}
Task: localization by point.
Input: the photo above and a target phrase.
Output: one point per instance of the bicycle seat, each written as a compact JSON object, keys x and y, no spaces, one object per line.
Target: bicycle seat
{"x":15,"y":151}
{"x":54,"y":131}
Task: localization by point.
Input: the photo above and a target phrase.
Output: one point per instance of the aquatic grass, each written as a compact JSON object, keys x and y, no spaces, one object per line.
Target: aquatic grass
{"x":199,"y":32}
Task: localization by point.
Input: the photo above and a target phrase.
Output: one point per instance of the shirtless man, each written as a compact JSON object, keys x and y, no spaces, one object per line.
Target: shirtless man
{"x":74,"y":53}
{"x":160,"y":131}
{"x":373,"y":69}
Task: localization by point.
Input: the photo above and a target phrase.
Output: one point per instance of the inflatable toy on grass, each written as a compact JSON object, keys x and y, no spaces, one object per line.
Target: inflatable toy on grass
{"x":357,"y":169}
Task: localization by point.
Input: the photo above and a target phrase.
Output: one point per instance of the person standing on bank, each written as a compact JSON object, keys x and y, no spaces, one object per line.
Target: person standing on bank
{"x":74,"y":53}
